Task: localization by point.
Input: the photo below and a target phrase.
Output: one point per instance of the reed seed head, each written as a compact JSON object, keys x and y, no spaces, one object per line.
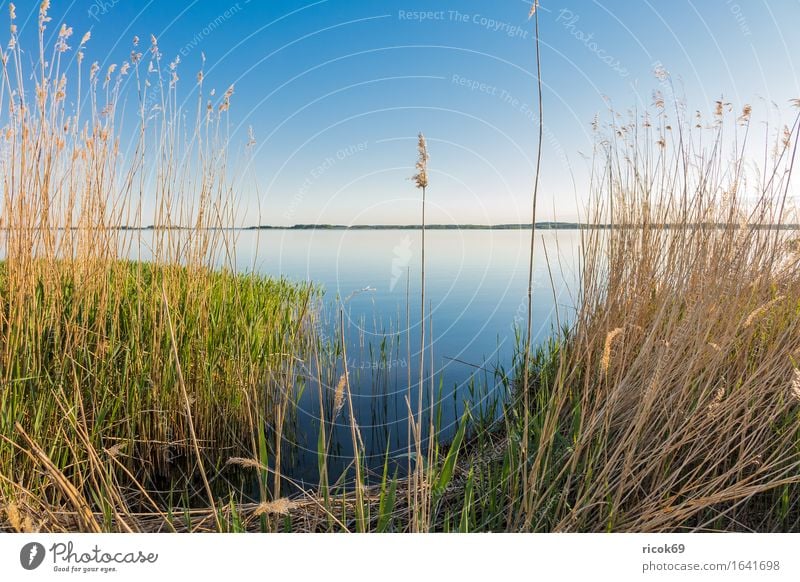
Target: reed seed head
{"x":280,"y":506}
{"x":13,"y":516}
{"x":719,"y":394}
{"x":338,"y":396}
{"x":605,"y":362}
{"x":421,"y":177}
{"x":244,"y":463}
{"x":756,"y":314}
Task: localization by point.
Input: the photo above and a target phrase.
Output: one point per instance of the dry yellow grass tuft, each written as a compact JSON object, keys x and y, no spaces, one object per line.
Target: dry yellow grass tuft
{"x":660,"y":448}
{"x":759,"y":312}
{"x":244,"y":463}
{"x":338,"y":395}
{"x":280,"y":506}
{"x":605,"y":362}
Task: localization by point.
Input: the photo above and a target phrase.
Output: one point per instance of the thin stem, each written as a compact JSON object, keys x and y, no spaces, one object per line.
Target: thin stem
{"x":422,"y":309}
{"x":421,"y":354}
{"x":529,"y":328}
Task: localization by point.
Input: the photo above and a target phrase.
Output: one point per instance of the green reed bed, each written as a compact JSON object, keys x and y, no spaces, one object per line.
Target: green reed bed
{"x":126,"y":386}
{"x":89,"y":375}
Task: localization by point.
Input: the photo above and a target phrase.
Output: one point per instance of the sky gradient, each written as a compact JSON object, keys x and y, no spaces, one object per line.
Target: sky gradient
{"x":336,"y":90}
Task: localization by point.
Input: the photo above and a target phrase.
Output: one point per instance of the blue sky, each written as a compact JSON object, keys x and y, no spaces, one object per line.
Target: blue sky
{"x":336,"y":90}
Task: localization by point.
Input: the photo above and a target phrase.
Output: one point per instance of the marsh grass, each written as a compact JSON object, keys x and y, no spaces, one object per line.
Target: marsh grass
{"x":152,"y":396}
{"x":126,"y":385}
{"x":668,"y":405}
{"x":670,"y":402}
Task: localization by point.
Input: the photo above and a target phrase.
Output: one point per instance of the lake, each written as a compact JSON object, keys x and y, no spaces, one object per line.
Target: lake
{"x":476,"y":291}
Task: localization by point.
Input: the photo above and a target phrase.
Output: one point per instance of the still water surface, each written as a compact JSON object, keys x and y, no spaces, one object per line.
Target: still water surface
{"x":476,"y":296}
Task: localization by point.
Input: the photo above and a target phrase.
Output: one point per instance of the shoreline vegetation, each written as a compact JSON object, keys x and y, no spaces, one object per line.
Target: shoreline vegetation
{"x":159,"y":396}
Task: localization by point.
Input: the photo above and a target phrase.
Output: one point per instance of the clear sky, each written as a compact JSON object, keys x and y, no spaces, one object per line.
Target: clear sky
{"x":336,"y":90}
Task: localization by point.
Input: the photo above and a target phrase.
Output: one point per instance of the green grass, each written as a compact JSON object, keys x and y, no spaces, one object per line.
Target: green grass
{"x":88,"y":371}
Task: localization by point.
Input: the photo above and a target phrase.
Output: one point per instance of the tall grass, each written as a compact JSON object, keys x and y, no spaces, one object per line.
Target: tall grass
{"x":125,"y":383}
{"x":671,"y":404}
{"x":420,"y":500}
{"x":140,"y":395}
{"x":534,"y":13}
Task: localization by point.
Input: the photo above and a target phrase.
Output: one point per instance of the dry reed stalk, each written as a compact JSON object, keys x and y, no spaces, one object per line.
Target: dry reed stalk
{"x":64,"y":485}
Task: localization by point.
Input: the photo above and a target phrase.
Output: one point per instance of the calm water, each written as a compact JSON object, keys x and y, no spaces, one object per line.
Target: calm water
{"x":476,"y":291}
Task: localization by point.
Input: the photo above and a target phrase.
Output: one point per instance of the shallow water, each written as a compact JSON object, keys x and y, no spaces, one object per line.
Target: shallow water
{"x":476,"y":295}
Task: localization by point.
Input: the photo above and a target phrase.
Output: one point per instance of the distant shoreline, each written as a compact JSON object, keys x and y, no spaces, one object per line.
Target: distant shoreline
{"x":539,"y":226}
{"x":510,"y":226}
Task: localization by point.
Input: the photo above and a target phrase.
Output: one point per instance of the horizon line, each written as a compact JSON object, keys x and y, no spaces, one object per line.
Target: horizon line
{"x":545,"y":225}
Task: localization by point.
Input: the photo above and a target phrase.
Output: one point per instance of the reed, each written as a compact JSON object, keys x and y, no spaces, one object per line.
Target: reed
{"x":534,"y":13}
{"x":421,"y":182}
{"x":119,"y":382}
{"x":144,"y":381}
{"x":689,"y":421}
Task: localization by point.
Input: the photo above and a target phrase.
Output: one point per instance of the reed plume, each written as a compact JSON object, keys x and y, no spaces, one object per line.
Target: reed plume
{"x":759,"y":312}
{"x":795,"y":385}
{"x":280,"y":506}
{"x":659,"y":448}
{"x":338,"y":396}
{"x":605,"y":361}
